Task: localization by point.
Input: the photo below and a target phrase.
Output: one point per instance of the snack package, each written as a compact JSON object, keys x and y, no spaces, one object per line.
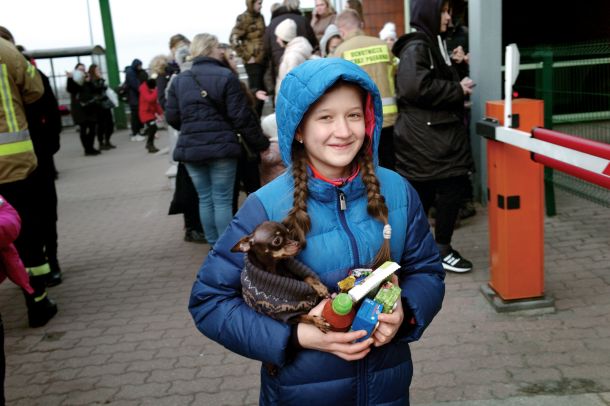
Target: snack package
{"x":366,"y":318}
{"x":372,"y":282}
{"x":388,"y":296}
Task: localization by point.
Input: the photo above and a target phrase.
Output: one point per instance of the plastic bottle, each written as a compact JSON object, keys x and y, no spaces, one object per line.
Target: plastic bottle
{"x":339,"y":312}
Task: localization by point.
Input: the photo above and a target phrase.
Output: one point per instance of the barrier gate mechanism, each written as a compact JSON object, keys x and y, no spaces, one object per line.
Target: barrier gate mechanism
{"x":516,"y":151}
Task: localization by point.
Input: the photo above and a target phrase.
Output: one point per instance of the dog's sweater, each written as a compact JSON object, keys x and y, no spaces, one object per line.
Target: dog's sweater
{"x":279,"y":297}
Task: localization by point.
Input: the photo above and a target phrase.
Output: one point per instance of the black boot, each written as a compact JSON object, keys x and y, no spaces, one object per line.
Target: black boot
{"x":54,"y":278}
{"x":150,"y":146}
{"x":195,"y":236}
{"x":41,"y":308}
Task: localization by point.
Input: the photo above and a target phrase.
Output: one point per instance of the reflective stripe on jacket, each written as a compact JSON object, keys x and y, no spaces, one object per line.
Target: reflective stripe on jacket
{"x":374,"y":56}
{"x":20,"y":84}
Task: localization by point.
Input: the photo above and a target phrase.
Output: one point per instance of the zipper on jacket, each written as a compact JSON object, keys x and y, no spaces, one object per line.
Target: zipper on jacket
{"x":342,"y":202}
{"x":362,"y":383}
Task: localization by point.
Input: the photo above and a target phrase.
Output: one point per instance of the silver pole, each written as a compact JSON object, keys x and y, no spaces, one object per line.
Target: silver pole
{"x":90,"y":28}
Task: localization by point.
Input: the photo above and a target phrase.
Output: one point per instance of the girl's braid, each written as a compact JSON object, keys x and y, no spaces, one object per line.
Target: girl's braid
{"x":297,"y":220}
{"x":376,"y":205}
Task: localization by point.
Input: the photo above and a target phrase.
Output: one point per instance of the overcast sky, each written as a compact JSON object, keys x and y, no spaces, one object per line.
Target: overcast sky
{"x":142,"y":28}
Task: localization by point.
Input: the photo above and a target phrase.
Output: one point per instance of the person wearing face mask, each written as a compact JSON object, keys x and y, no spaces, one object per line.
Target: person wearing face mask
{"x":431,"y":141}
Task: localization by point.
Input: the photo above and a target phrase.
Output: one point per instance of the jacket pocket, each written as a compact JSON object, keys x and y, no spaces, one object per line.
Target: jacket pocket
{"x":434,"y":118}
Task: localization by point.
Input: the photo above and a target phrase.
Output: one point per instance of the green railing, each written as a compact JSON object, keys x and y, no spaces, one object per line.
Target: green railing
{"x":574,"y":82}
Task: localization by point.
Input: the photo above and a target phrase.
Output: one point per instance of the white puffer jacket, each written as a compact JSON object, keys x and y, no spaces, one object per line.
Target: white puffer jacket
{"x":297,"y":51}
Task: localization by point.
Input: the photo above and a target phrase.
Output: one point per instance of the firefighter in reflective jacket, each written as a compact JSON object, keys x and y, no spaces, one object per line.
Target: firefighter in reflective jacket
{"x":21,"y":84}
{"x":373,"y":55}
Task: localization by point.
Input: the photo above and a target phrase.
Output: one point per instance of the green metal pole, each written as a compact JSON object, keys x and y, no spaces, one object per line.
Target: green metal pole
{"x":112,"y":61}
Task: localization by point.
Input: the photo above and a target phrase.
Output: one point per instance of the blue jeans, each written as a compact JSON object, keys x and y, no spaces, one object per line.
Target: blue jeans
{"x":214,"y":182}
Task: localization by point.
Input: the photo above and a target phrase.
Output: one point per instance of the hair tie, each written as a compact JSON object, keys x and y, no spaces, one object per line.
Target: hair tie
{"x":387,"y":232}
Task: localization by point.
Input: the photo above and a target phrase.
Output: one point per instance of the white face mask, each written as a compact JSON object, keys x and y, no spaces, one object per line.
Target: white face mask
{"x":181,"y":54}
{"x":79,"y":77}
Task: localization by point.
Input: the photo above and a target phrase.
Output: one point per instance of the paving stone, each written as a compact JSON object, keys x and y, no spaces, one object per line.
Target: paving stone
{"x":174,"y":400}
{"x":118,"y":380}
{"x":227,"y":398}
{"x":123,"y":335}
{"x":128,"y":391}
{"x":96,"y":396}
{"x":197,"y":385}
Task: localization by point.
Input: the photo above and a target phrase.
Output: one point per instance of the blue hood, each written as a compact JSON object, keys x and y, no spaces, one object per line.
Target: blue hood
{"x":305,"y":84}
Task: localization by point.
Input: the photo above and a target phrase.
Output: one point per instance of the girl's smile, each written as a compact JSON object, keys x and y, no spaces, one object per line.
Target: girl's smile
{"x":333,"y":131}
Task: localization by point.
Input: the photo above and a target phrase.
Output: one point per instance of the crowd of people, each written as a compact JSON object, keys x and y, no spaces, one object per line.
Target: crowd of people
{"x":91,"y":107}
{"x":376,"y":143}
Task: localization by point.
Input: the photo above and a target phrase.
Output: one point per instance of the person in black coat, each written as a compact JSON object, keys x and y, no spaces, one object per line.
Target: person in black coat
{"x":44,"y":123}
{"x":103,"y":108}
{"x":73,"y":88}
{"x":134,"y":76}
{"x":82,"y":102}
{"x":430,"y":138}
{"x":88,"y":115}
{"x":273,"y":50}
{"x":208,"y":106}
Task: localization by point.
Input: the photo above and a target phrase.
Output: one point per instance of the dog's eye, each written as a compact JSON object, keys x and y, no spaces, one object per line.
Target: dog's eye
{"x":277,"y":241}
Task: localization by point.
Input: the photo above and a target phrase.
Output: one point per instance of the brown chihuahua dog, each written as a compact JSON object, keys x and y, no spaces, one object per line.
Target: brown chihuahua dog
{"x":270,"y":249}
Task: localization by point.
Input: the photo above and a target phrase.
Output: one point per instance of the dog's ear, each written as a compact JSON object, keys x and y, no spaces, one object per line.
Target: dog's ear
{"x":242,"y":245}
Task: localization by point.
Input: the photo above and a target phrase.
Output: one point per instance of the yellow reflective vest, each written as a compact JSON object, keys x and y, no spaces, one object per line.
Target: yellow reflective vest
{"x":374,"y":56}
{"x":20,"y":84}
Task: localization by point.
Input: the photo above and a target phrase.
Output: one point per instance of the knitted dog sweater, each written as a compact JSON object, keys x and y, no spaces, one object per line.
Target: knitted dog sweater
{"x":279,"y":297}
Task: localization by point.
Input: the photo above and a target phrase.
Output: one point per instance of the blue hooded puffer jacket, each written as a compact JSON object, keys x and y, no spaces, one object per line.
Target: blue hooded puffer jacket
{"x":339,"y":240}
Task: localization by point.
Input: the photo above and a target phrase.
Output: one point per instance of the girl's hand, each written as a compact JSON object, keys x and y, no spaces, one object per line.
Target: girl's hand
{"x":339,"y":344}
{"x":389,"y":323}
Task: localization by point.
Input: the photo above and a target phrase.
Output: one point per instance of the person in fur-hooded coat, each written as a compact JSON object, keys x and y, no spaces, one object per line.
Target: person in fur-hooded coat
{"x":296,"y":49}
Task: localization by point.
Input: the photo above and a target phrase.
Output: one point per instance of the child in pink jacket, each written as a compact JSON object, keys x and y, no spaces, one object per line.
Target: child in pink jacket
{"x":149,"y":110}
{"x":41,"y":308}
{"x":10,"y":263}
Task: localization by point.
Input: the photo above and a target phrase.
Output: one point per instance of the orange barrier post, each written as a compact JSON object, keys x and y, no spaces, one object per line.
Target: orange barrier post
{"x":515,"y":202}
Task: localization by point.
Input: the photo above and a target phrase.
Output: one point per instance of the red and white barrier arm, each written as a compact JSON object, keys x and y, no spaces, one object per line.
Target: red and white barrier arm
{"x":585,"y":159}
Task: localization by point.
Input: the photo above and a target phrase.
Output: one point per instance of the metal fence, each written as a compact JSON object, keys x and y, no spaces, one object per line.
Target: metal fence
{"x":574,"y":82}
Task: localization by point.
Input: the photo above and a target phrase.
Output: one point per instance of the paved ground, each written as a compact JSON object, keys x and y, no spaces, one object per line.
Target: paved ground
{"x":123,"y":335}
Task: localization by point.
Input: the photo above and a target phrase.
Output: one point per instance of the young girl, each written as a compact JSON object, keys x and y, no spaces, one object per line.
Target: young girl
{"x":336,"y":199}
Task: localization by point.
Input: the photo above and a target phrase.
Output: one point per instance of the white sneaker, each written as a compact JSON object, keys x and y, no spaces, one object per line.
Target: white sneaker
{"x":138,"y":138}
